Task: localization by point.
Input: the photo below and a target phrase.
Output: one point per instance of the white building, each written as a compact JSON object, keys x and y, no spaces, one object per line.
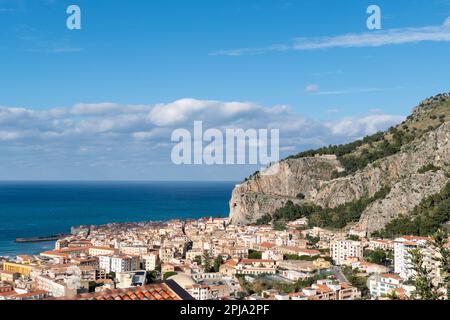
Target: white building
{"x":272,"y":255}
{"x":294,"y":275}
{"x":134,"y":250}
{"x":343,"y":249}
{"x":166,"y":254}
{"x":118,"y":263}
{"x":402,"y":248}
{"x":150,"y":261}
{"x":382,"y":285}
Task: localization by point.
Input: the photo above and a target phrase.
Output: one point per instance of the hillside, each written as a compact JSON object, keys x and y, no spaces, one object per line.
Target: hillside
{"x":369,"y":182}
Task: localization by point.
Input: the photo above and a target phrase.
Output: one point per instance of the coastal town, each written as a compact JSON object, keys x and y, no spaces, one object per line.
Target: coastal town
{"x":211,"y":259}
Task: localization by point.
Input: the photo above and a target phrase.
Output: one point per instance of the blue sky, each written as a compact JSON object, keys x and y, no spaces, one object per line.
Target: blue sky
{"x":337,"y":80}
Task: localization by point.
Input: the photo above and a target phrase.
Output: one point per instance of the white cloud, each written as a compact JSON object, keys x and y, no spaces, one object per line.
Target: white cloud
{"x":348,"y":91}
{"x":110,"y":135}
{"x":10,"y":135}
{"x":355,"y":40}
{"x":333,"y":110}
{"x":182,"y":110}
{"x":312,"y":88}
{"x":447,"y":22}
{"x":363,"y":126}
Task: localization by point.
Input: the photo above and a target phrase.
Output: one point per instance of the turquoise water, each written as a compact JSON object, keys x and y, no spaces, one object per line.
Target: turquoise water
{"x":44,"y":208}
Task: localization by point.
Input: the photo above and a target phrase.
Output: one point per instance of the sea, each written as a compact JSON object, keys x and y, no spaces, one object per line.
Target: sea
{"x":32,"y":209}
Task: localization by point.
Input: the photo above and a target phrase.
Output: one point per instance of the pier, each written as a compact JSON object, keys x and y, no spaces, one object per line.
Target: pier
{"x":41,"y":239}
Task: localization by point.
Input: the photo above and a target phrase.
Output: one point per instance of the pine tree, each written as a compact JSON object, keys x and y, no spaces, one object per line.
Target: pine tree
{"x":217,"y":263}
{"x":206,"y":261}
{"x":439,"y":244}
{"x":424,"y":288}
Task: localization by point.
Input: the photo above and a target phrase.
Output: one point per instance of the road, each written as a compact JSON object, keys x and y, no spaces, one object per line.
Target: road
{"x":339,"y":275}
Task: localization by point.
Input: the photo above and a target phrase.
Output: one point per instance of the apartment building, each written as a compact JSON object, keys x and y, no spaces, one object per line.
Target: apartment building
{"x":134,"y":250}
{"x":381,"y":244}
{"x":119,"y":263}
{"x":102,"y":251}
{"x":402,"y":257}
{"x":166,"y":254}
{"x":343,"y":249}
{"x":150,"y":261}
{"x":382,"y":284}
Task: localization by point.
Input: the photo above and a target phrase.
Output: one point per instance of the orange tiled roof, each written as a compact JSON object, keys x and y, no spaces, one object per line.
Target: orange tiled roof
{"x":267,"y":245}
{"x":392,"y":276}
{"x":32,"y":294}
{"x":150,"y":292}
{"x":245,"y":261}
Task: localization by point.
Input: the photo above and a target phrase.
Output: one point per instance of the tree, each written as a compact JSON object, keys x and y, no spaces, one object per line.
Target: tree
{"x":439,"y":242}
{"x":392,"y":295}
{"x":217,"y":263}
{"x":93,"y":285}
{"x":198,"y":260}
{"x":151,"y":276}
{"x":424,"y":287}
{"x":207,"y":261}
{"x":376,"y":256}
{"x":252,"y":254}
{"x":111,"y":275}
{"x":168,"y":275}
{"x":357,"y":281}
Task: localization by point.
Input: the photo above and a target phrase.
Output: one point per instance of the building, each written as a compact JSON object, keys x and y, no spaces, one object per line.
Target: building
{"x":341,"y":250}
{"x":308,"y":267}
{"x":130,"y":279}
{"x":228,"y":268}
{"x":381,"y":244}
{"x":272,"y":255}
{"x":167,"y":267}
{"x":287,"y":250}
{"x":367,"y":267}
{"x":381,"y":285}
{"x":134,"y":250}
{"x":22,"y":269}
{"x":210,"y":287}
{"x":150,"y":261}
{"x":102,"y":251}
{"x":8,"y":276}
{"x":119,"y":263}
{"x":215,"y":291}
{"x":328,"y":290}
{"x":166,"y":254}
{"x":294,"y":275}
{"x":256,"y":267}
{"x":54,"y":287}
{"x":402,"y":248}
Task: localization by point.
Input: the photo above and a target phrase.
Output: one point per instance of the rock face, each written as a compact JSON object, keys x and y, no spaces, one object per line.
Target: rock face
{"x":310,"y":180}
{"x":288,"y":180}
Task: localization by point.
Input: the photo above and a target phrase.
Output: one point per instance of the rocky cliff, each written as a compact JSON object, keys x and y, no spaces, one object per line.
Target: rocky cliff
{"x":313,"y":179}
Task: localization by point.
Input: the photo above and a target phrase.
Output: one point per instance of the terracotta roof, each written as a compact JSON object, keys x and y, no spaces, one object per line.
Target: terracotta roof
{"x":149,"y":292}
{"x":257,"y":260}
{"x":231,"y":262}
{"x":415,"y":238}
{"x":322,"y":288}
{"x":392,"y":276}
{"x":32,"y":294}
{"x":345,"y":285}
{"x":267,"y":245}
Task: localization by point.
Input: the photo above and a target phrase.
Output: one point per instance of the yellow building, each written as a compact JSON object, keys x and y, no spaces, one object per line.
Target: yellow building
{"x":23,"y":269}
